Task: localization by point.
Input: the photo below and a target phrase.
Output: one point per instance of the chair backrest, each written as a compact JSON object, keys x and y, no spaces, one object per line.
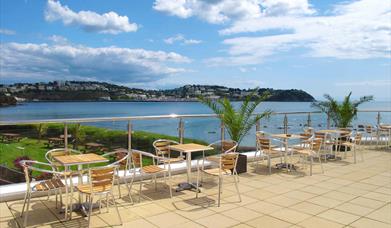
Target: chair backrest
{"x":121,"y":157}
{"x":316,"y":144}
{"x":320,"y":135}
{"x":162,"y":146}
{"x":263,"y":143}
{"x":136,"y":158}
{"x":368,"y":129}
{"x":102,"y":177}
{"x":225,"y":146}
{"x":59,"y":152}
{"x":229,"y":160}
{"x":358,"y":138}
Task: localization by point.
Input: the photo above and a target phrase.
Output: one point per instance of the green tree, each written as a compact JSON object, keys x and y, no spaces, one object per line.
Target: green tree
{"x":238,"y":122}
{"x":342,"y":114}
{"x":41,"y":130}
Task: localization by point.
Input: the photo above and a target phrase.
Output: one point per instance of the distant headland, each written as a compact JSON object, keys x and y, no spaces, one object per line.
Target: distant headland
{"x":101,"y":91}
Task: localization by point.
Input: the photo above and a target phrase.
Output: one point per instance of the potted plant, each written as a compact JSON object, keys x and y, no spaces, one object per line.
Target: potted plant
{"x":341,"y":114}
{"x":238,"y":122}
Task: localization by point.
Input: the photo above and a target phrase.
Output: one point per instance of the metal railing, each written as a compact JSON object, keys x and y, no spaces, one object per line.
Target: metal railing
{"x":181,"y":123}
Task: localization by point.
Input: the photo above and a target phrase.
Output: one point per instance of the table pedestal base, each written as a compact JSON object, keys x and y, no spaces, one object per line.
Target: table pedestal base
{"x":187,"y":186}
{"x":286,"y":166}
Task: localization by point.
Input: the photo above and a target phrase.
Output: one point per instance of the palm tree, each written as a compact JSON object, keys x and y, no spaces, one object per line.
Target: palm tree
{"x":238,"y":122}
{"x":342,"y":114}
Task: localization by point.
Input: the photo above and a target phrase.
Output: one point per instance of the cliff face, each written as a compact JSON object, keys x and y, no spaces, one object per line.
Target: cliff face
{"x":7,"y":100}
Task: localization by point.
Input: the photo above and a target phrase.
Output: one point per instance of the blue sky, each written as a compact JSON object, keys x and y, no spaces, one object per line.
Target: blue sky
{"x":318,"y":46}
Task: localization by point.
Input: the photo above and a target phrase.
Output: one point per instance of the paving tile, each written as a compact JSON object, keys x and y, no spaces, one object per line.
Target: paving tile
{"x":324,"y":201}
{"x":309,"y":208}
{"x":217,"y":221}
{"x":167,"y":219}
{"x":290,"y":215}
{"x":382,"y":214}
{"x":300,"y":195}
{"x":263,"y":207}
{"x":315,"y":190}
{"x":283,"y":201}
{"x":339,"y":216}
{"x":378,"y":196}
{"x":268,"y":221}
{"x":354,"y":209}
{"x":319,"y":223}
{"x":368,"y":202}
{"x":369,"y":223}
{"x":148,"y":210}
{"x":188,"y":225}
{"x":195,"y":212}
{"x":337,"y":195}
{"x":139,"y":223}
{"x":241,"y":214}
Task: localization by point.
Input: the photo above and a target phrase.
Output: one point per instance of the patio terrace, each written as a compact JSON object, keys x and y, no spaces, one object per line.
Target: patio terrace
{"x":346,"y":195}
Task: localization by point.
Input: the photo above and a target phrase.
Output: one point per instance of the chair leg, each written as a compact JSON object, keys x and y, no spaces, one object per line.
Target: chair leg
{"x":220,"y":183}
{"x":197,"y":183}
{"x":321,"y":164}
{"x":139,"y":192}
{"x":354,"y":154}
{"x":119,"y":188}
{"x":90,"y":210}
{"x":154,"y":177}
{"x":312,"y":160}
{"x":116,"y":208}
{"x":27,"y":209}
{"x":170,"y":184}
{"x":24,"y":203}
{"x":269,"y":164}
{"x":237,"y":188}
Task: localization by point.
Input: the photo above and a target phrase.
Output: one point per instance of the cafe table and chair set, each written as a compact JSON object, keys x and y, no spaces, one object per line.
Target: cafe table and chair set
{"x":94,"y":176}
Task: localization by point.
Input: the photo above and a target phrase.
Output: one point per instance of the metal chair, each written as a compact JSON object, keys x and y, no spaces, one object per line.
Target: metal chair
{"x":101,"y":181}
{"x":122,"y":161}
{"x":353,"y":146}
{"x":221,"y":147}
{"x":265,"y":148}
{"x":226,"y":166}
{"x":150,"y":170}
{"x":162,"y":149}
{"x":383,"y":135}
{"x":311,"y":152}
{"x":370,"y":132}
{"x":54,"y":183}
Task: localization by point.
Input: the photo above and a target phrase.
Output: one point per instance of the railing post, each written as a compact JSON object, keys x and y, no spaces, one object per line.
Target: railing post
{"x":309,"y":122}
{"x":258,"y":126}
{"x":181,"y":130}
{"x":129,"y":136}
{"x":328,"y":121}
{"x":222,"y":129}
{"x":65,"y":136}
{"x":378,"y":118}
{"x":285,"y":124}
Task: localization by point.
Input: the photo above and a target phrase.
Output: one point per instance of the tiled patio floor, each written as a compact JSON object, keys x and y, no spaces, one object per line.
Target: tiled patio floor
{"x":346,"y":195}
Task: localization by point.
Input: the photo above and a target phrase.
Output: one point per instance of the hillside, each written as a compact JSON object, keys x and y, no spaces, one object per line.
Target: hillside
{"x":98,"y":91}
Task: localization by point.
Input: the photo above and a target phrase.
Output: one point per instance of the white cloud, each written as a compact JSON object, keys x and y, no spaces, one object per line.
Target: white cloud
{"x":113,"y":64}
{"x":247,"y":69}
{"x":7,"y":32}
{"x":370,"y":83}
{"x":355,"y":30}
{"x":58,"y":39}
{"x":221,"y":11}
{"x":181,"y":38}
{"x":89,"y":21}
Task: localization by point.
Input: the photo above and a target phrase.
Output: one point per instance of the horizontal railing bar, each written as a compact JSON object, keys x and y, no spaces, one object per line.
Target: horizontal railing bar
{"x":129,"y":118}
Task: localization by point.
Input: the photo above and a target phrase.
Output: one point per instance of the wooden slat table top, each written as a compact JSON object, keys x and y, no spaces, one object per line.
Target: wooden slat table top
{"x":80,"y":159}
{"x":190,"y":147}
{"x":287,"y":136}
{"x":385,"y":126}
{"x":335,"y":131}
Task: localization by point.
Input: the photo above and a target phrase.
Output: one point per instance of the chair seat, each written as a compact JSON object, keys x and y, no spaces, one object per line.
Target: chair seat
{"x":306,"y":152}
{"x":349,"y":144}
{"x":272,"y":152}
{"x":173,"y":160}
{"x":216,"y":171}
{"x":85,"y":188}
{"x":49,"y":185}
{"x":152,"y":169}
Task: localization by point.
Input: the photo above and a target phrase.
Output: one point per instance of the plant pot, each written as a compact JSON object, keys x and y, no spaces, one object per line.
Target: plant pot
{"x":241,"y":165}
